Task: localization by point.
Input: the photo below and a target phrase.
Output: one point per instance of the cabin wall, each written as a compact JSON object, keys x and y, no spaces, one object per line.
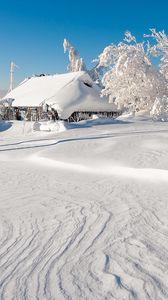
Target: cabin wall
{"x":39,"y":114}
{"x":85,"y":115}
{"x":27,"y":113}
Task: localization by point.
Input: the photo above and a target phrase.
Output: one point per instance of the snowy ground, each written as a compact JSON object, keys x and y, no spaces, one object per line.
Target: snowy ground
{"x":83,"y":213}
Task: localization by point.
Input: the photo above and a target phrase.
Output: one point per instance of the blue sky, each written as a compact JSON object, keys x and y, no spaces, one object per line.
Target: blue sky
{"x":32,"y":32}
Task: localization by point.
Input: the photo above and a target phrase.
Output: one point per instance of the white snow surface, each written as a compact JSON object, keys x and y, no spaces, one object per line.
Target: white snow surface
{"x":83,"y":213}
{"x":64,"y":92}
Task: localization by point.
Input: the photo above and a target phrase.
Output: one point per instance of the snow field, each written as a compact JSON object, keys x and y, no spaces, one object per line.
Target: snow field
{"x":83,"y":213}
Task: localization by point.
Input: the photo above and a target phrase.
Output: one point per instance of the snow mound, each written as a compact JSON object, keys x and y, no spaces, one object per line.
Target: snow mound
{"x":135,"y":117}
{"x":57,"y":126}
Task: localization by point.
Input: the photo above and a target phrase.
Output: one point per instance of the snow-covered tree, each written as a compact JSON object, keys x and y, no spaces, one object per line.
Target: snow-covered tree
{"x":76,"y":62}
{"x":159,"y":111}
{"x":130,"y":80}
{"x":160,"y":49}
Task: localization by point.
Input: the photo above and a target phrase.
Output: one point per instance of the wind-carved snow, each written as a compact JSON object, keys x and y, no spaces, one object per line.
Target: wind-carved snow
{"x":83,"y":213}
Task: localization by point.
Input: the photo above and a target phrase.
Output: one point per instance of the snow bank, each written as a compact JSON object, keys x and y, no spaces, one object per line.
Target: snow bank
{"x":135,"y":117}
{"x":60,"y":126}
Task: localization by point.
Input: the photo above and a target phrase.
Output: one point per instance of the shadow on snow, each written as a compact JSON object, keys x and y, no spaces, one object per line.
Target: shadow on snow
{"x":5,"y":125}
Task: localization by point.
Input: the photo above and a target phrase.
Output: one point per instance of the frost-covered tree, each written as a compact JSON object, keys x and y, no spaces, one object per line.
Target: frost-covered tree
{"x":159,"y":111}
{"x":130,"y":80}
{"x":160,"y":49}
{"x":76,"y":62}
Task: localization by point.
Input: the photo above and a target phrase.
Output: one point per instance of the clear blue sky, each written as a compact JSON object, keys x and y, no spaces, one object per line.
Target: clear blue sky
{"x":32,"y":31}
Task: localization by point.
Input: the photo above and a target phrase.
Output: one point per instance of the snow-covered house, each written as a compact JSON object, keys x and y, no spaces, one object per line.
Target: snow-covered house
{"x":66,"y":96}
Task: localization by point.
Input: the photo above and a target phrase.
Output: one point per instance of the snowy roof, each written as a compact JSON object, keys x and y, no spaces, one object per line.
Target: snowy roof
{"x":66,"y":92}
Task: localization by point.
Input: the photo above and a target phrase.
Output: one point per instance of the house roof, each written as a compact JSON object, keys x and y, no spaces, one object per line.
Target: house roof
{"x":66,"y":92}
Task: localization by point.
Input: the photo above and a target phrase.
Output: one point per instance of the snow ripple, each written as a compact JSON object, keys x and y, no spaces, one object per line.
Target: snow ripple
{"x":115,"y":248}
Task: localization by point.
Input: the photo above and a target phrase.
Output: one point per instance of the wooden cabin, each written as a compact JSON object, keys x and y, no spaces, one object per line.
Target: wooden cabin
{"x":71,"y":96}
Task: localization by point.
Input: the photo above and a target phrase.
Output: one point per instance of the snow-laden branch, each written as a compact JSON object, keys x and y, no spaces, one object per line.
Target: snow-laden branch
{"x":160,"y":49}
{"x":76,"y":62}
